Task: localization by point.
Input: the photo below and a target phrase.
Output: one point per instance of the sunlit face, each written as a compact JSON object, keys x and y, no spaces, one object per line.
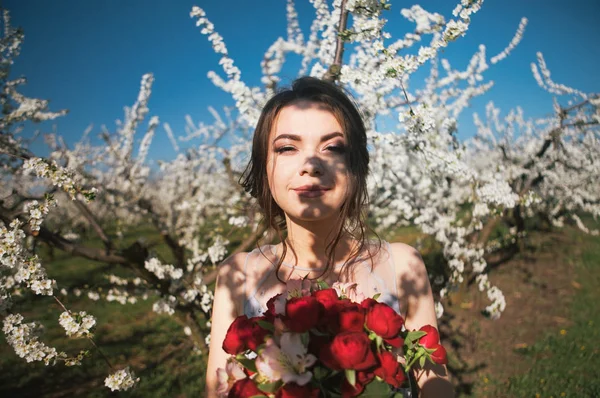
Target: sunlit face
{"x":306,"y":165}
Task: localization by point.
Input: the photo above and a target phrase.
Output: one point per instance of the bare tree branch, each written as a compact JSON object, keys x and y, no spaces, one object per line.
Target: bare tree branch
{"x":177,"y":250}
{"x":65,"y":245}
{"x":85,"y":211}
{"x":334,"y":70}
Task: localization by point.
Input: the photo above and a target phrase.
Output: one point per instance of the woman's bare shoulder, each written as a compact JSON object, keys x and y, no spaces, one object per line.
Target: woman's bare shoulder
{"x":408,"y":261}
{"x":231,"y":271}
{"x":407,"y":256}
{"x":234,"y":262}
{"x":244,"y":262}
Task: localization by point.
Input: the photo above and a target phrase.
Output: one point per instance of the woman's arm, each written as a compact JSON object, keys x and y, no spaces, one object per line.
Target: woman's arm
{"x":413,"y":282}
{"x":227,"y":305}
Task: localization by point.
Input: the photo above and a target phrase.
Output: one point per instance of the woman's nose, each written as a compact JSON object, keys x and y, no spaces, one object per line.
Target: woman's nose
{"x":312,"y":166}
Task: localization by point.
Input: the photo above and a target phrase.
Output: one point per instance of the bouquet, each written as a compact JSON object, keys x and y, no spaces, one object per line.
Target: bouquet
{"x":323,"y":342}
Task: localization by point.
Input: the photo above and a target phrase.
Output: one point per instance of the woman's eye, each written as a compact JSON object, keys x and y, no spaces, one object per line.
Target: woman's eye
{"x":284,"y":149}
{"x":336,"y":148}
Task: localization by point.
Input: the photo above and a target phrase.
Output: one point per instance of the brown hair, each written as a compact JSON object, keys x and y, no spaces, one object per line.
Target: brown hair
{"x":353,"y":213}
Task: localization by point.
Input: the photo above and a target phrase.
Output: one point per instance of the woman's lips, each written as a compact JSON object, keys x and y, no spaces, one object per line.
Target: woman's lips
{"x":311,"y":191}
{"x":311,"y":194}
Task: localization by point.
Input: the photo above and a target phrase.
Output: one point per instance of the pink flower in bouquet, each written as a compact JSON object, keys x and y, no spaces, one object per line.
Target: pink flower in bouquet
{"x":348,"y":350}
{"x":245,"y":388}
{"x":288,"y":363}
{"x":227,"y":377}
{"x":390,"y":369}
{"x":293,"y":390}
{"x":349,"y":290}
{"x":298,"y":288}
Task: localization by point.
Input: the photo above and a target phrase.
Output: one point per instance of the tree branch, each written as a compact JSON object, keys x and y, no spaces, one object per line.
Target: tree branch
{"x":67,"y":246}
{"x":85,"y":211}
{"x":334,"y":70}
{"x":177,"y":250}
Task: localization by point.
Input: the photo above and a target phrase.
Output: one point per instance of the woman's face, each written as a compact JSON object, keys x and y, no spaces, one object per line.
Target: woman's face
{"x":306,"y":166}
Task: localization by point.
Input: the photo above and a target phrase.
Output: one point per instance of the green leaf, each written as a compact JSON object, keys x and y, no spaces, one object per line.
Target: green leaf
{"x":266,"y":325}
{"x":412,"y":337}
{"x":375,"y":297}
{"x":304,"y":338}
{"x":391,"y":73}
{"x":422,"y":361}
{"x":377,"y":388}
{"x":415,"y":334}
{"x":318,"y":333}
{"x":319,"y":373}
{"x":379,"y":342}
{"x":270,"y":387}
{"x":245,"y":362}
{"x":322,"y":285}
{"x":351,"y":376}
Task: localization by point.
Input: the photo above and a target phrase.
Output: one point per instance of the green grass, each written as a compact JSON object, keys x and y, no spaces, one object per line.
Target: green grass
{"x":566,"y":362}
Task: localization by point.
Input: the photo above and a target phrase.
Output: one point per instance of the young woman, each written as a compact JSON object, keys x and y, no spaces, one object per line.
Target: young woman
{"x":308,"y":171}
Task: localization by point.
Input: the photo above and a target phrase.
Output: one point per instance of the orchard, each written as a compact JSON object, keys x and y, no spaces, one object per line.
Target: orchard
{"x":475,"y":200}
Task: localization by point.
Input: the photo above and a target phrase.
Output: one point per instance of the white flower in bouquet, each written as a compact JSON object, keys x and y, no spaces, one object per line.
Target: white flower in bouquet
{"x":288,"y":363}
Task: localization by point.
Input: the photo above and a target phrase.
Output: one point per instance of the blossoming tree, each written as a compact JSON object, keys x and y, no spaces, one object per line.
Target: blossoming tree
{"x":511,"y":170}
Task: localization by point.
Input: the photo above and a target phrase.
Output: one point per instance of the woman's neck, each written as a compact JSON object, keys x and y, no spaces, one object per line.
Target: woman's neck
{"x":309,"y":240}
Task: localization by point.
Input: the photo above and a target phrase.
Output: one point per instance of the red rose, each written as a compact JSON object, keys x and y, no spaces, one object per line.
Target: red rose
{"x":327,"y":297}
{"x":302,"y":313}
{"x":368,"y":303}
{"x":351,"y":318}
{"x":384,"y":321}
{"x":293,"y":390}
{"x":439,"y":355}
{"x":348,"y":350}
{"x":390,"y":370}
{"x":258,"y":333}
{"x":329,"y":300}
{"x":362,"y":379}
{"x":396,"y":342}
{"x":244,"y":333}
{"x":244,"y":388}
{"x":330,"y":321}
{"x":431,"y":339}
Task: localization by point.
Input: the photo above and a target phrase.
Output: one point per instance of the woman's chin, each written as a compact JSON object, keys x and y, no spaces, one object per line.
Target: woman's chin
{"x":312,"y":215}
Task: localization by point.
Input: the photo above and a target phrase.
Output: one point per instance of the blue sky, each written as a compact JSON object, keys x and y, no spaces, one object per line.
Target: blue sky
{"x":89,"y":56}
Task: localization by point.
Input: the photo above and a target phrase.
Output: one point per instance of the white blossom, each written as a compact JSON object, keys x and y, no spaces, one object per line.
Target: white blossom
{"x":77,"y":325}
{"x":122,"y":380}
